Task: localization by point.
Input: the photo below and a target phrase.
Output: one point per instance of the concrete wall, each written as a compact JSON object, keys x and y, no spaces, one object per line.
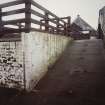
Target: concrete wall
{"x":25,"y":62}
{"x":11,"y":64}
{"x":40,"y":50}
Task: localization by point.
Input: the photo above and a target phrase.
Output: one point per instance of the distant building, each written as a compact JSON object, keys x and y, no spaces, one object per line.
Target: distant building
{"x":81,"y":29}
{"x":101,"y":24}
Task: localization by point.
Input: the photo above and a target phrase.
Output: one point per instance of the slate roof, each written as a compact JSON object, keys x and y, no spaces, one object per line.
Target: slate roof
{"x":82,"y":24}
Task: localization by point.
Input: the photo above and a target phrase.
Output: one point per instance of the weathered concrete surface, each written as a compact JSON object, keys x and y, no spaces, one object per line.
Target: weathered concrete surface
{"x":24,"y":62}
{"x":78,"y":78}
{"x":41,"y":50}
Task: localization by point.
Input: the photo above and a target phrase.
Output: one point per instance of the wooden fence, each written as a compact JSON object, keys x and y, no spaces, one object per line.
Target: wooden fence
{"x":47,"y":18}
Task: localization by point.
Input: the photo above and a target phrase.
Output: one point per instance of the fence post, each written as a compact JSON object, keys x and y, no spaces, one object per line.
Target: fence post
{"x":28,"y":16}
{"x":46,"y":22}
{"x":1,"y":26}
{"x":68,"y":26}
{"x":19,"y":26}
{"x":57,"y":26}
{"x":65,"y":28}
{"x":40,"y":25}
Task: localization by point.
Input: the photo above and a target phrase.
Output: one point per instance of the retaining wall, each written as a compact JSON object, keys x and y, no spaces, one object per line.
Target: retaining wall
{"x":41,"y":51}
{"x":23,"y":63}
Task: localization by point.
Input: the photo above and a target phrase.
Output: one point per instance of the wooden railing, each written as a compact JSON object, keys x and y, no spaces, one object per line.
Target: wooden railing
{"x":48,"y":21}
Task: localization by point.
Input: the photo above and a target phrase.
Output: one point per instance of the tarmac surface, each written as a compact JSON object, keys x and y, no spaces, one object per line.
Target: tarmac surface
{"x":77,"y":78}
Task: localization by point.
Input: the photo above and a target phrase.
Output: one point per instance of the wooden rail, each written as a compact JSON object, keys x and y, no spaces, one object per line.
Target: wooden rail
{"x":60,"y":26}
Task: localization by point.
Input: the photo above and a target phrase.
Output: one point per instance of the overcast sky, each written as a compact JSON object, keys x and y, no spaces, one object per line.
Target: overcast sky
{"x":87,"y":9}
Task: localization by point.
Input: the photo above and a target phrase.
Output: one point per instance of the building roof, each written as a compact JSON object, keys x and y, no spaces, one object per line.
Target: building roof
{"x":82,"y":24}
{"x":75,"y":28}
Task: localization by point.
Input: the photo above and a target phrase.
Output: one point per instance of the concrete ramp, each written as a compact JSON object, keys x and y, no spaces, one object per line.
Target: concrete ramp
{"x":78,"y":78}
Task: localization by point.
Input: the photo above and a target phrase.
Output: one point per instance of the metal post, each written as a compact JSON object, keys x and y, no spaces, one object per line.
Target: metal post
{"x":28,"y":15}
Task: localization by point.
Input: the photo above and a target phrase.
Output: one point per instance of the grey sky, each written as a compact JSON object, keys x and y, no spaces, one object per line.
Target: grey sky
{"x":87,"y":9}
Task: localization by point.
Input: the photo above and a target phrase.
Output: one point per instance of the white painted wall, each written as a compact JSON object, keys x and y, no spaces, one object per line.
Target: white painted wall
{"x":41,"y":50}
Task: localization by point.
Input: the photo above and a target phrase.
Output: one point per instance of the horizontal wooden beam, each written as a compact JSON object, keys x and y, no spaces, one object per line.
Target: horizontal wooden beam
{"x":13,"y":12}
{"x":37,"y":13}
{"x":50,"y":19}
{"x":35,"y":29}
{"x":13,"y":21}
{"x":42,"y":24}
{"x":12,"y":3}
{"x":11,"y":30}
{"x":39,"y":30}
{"x":45,"y":10}
{"x":68,"y":17}
{"x":18,"y":24}
{"x":40,"y":7}
{"x":53,"y":21}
